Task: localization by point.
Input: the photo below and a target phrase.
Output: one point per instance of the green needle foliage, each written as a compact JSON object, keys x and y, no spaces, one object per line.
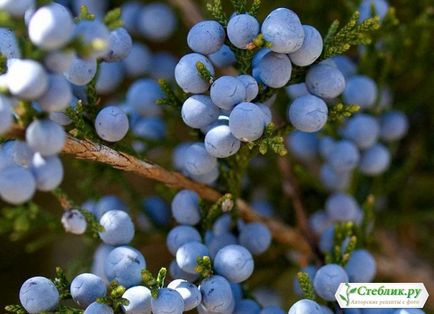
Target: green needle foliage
{"x":306,"y":285}
{"x":62,"y":284}
{"x":154,"y":284}
{"x":338,"y":41}
{"x":113,"y":19}
{"x":204,"y":266}
{"x":114,"y":296}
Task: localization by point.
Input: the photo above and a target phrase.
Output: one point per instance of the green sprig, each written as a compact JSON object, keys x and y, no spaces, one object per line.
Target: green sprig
{"x":113,"y":19}
{"x":204,"y":73}
{"x":62,"y":284}
{"x":85,"y":14}
{"x":353,"y":33}
{"x":114,"y":297}
{"x":215,"y":8}
{"x":210,"y":214}
{"x":271,"y":140}
{"x":254,"y":9}
{"x":204,"y":266}
{"x":3,"y":63}
{"x":306,"y":285}
{"x":15,"y":308}
{"x":340,"y":112}
{"x":154,"y":284}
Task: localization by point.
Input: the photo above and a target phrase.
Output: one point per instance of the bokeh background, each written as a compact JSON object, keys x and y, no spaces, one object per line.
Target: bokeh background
{"x":36,"y":245}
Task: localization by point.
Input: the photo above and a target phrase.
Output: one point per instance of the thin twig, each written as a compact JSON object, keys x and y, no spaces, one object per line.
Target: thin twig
{"x":190,"y":12}
{"x":292,"y":191}
{"x":85,"y":149}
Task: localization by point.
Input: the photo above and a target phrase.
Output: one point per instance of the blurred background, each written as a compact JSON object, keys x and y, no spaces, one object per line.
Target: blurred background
{"x":402,"y":58}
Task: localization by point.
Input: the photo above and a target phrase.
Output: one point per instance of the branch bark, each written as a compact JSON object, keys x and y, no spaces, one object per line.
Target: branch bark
{"x":84,"y":149}
{"x":190,"y":12}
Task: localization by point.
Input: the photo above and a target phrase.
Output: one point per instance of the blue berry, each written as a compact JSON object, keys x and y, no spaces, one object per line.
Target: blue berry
{"x":282,"y":28}
{"x":39,"y":294}
{"x":198,"y":161}
{"x":188,"y":291}
{"x":361,"y":266}
{"x":251,"y":86}
{"x":311,"y":48}
{"x":110,"y":76}
{"x":308,"y":113}
{"x":375,"y":160}
{"x":107,"y":203}
{"x":242,"y":29}
{"x":130,"y":12}
{"x":227,"y":91}
{"x":48,"y":172}
{"x":168,"y":301}
{"x":187,"y":75}
{"x":74,"y":222}
{"x":45,"y":137}
{"x":6,"y":118}
{"x":304,"y":146}
{"x":274,"y":69}
{"x":164,"y":65}
{"x":234,"y":262}
{"x":360,"y":90}
{"x":222,"y":58}
{"x":51,"y":26}
{"x":26,"y":79}
{"x":333,"y":180}
{"x":138,"y":61}
{"x":220,"y":143}
{"x":124,"y":264}
{"x":157,"y":21}
{"x":246,"y":122}
{"x":324,"y":80}
{"x":118,"y":228}
{"x":362,"y":129}
{"x":297,"y":90}
{"x":98,"y":308}
{"x":198,"y":111}
{"x":185,"y":207}
{"x":186,"y":256}
{"x":16,"y":8}
{"x":86,"y":288}
{"x":256,"y":237}
{"x":142,"y":97}
{"x":157,"y":209}
{"x":344,"y":156}
{"x":120,"y":45}
{"x":99,"y":258}
{"x":206,"y":37}
{"x":8,"y":44}
{"x":81,"y":72}
{"x":181,"y":235}
{"x":247,"y":306}
{"x":178,"y":273}
{"x":57,"y":96}
{"x":111,"y":124}
{"x":216,"y":295}
{"x":342,"y":207}
{"x":218,"y":242}
{"x":139,"y":299}
{"x":305,"y":306}
{"x":394,"y":126}
{"x":151,"y":128}
{"x":327,"y":280}
{"x":347,"y":67}
{"x":91,"y":32}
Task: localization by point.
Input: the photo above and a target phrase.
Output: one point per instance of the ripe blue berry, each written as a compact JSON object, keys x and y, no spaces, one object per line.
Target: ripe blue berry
{"x":308,"y":113}
{"x":111,"y":124}
{"x":206,"y":37}
{"x":242,"y":29}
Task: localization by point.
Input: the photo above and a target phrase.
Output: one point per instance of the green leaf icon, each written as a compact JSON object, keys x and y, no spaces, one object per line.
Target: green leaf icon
{"x":343,"y":298}
{"x":353,"y":290}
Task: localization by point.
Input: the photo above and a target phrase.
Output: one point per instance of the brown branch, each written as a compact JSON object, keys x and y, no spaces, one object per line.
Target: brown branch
{"x":190,"y":12}
{"x":401,"y":265}
{"x":85,"y":149}
{"x":292,"y":191}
